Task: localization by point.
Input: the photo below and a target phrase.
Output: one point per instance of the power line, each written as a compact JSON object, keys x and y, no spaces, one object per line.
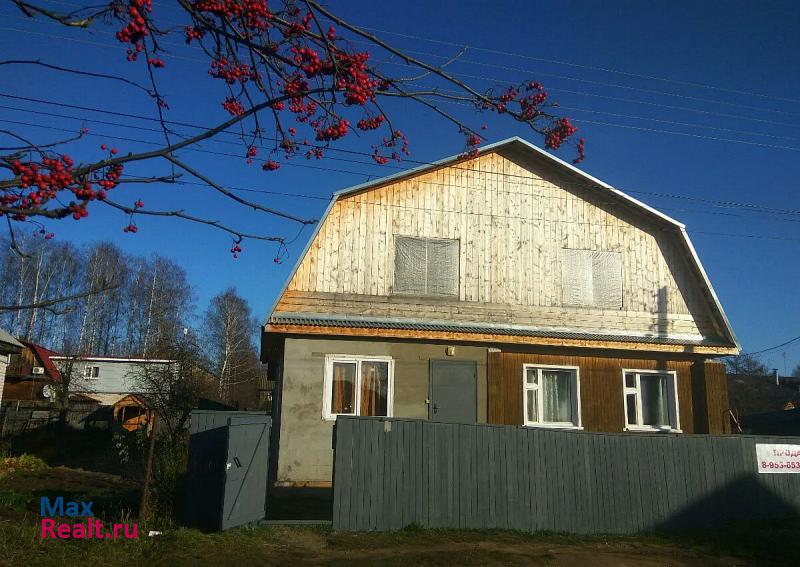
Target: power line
{"x":584,"y":66}
{"x":424,"y":209}
{"x":478,"y":77}
{"x":776,"y":347}
{"x":464,"y":61}
{"x":528,"y":57}
{"x":717,"y":203}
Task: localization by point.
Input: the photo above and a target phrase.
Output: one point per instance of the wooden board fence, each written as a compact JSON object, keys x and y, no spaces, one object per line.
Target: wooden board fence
{"x":392,"y":473}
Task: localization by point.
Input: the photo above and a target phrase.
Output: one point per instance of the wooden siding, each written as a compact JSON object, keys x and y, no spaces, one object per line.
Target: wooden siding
{"x":512,"y":218}
{"x":602,"y":404}
{"x":710,"y":393}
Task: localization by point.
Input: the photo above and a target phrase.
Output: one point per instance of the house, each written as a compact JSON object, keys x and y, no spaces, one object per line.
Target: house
{"x":106,"y":379}
{"x":507,"y":288}
{"x":29,"y":372}
{"x":750,"y":394}
{"x":8,"y":347}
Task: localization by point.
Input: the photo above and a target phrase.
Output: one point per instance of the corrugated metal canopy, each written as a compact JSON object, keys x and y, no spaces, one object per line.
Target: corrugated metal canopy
{"x":320,"y":320}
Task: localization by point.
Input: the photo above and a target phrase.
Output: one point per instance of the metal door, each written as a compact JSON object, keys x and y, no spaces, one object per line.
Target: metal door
{"x":245,"y":493}
{"x":453,"y":391}
{"x":226,"y":476}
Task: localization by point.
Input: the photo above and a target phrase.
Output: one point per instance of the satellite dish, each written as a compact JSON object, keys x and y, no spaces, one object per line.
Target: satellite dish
{"x":48,"y":391}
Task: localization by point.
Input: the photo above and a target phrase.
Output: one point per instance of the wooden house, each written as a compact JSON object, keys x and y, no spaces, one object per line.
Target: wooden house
{"x":9,"y":346}
{"x":29,"y":371}
{"x":507,"y":288}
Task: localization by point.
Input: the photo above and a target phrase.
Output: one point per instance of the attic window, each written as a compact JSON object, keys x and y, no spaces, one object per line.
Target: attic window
{"x":591,"y":278}
{"x":91,"y":372}
{"x":426,"y":266}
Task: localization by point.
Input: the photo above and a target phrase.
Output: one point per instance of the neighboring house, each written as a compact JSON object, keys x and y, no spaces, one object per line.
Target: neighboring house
{"x":757,"y":395}
{"x":8,"y":346}
{"x":509,"y":288}
{"x":29,"y":371}
{"x":105,"y":379}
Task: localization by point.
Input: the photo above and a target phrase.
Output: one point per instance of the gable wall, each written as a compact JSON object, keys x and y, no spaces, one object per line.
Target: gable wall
{"x":512,"y":225}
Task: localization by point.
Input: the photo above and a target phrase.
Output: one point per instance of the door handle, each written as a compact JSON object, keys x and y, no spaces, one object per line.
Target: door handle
{"x":435,"y":408}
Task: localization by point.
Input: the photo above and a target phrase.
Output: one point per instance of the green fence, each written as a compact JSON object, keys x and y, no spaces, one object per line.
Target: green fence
{"x":392,"y":473}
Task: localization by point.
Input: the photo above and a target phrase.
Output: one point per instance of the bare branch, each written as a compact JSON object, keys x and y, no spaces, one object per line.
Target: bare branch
{"x":105,"y":286}
{"x":234,"y":196}
{"x":183,"y":215}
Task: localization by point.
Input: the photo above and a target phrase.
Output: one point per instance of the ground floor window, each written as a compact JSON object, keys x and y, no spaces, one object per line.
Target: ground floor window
{"x":358,"y":385}
{"x":651,"y":400}
{"x":551,"y":396}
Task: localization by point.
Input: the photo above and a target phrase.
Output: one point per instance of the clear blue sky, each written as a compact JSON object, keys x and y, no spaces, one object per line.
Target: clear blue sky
{"x":628,"y":73}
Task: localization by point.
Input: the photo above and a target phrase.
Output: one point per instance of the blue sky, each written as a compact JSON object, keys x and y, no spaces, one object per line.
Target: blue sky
{"x":697,"y":100}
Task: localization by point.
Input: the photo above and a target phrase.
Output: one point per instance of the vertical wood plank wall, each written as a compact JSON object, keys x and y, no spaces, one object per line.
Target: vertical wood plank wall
{"x":602,"y":404}
{"x":512,"y":220}
{"x":392,"y":473}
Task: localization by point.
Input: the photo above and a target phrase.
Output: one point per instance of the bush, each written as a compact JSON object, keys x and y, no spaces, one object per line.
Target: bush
{"x":24,"y":462}
{"x":169,"y":472}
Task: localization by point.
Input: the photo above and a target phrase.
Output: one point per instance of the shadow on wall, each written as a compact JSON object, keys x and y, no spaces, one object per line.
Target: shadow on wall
{"x":745,"y":500}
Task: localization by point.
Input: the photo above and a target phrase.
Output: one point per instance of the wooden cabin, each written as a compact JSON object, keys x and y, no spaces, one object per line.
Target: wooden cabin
{"x":507,"y":288}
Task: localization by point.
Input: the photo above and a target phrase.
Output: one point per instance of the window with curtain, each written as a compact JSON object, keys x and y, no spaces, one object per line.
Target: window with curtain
{"x":651,"y":401}
{"x":426,"y":266}
{"x":358,"y":386}
{"x":551,"y":396}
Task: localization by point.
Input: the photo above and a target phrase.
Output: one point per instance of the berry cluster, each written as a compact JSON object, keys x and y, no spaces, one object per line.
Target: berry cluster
{"x":333,"y":132}
{"x":353,"y":79}
{"x":298,"y":27}
{"x":236,"y":250}
{"x":233,"y":106}
{"x":396,"y":139}
{"x":581,"y":151}
{"x":556,"y":135}
{"x":78,"y":211}
{"x":531,"y":103}
{"x":308,"y":60}
{"x":473,"y":141}
{"x":135,"y":28}
{"x":231,"y":71}
{"x":193,"y":33}
{"x":270,"y":165}
{"x":38,"y":183}
{"x":131,"y":228}
{"x":370,"y":123}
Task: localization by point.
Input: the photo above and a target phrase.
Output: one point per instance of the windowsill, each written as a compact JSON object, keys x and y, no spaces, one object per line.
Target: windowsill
{"x":568,"y":426}
{"x":333,"y":417}
{"x":648,"y":429}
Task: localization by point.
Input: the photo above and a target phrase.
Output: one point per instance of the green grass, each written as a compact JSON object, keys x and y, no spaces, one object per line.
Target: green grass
{"x":20,"y":542}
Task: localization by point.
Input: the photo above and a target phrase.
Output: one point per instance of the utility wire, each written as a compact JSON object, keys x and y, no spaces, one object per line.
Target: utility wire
{"x":584,"y":66}
{"x":493,"y":80}
{"x":717,"y":203}
{"x":407,"y":207}
{"x":524,"y":56}
{"x":776,"y":347}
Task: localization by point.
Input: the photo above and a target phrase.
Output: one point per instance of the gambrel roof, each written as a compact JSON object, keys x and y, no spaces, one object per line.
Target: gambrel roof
{"x":519,"y":146}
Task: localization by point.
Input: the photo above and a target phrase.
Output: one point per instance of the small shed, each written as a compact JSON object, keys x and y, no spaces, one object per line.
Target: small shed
{"x":133,"y":412}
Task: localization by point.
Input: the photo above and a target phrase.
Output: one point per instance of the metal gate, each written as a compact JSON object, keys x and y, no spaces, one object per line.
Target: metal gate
{"x":226,"y":477}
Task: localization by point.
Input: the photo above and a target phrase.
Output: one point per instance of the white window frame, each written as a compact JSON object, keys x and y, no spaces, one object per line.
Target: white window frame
{"x":673,"y":405}
{"x":327,"y":390}
{"x":88,"y":372}
{"x":576,"y":399}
